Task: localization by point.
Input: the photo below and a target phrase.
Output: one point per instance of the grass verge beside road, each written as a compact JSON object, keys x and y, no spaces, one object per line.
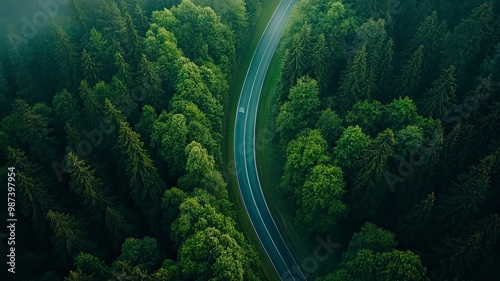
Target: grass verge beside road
{"x":244,"y":223}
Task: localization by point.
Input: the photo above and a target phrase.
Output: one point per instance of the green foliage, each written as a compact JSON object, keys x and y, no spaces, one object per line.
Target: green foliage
{"x":77,"y":91}
{"x":365,"y":114}
{"x":92,"y":266}
{"x":349,"y":148}
{"x":297,"y":57}
{"x":330,"y":125}
{"x":409,"y":139}
{"x":468,"y":192}
{"x":171,"y":202}
{"x":457,"y":255}
{"x":201,"y":172}
{"x":123,"y":69}
{"x":357,"y":82}
{"x":388,"y":63}
{"x":319,"y":61}
{"x":303,"y":154}
{"x":430,"y":35}
{"x":370,"y":237}
{"x":190,"y":87}
{"x":69,"y":237}
{"x":142,"y":253}
{"x":467,"y":39}
{"x":372,"y":8}
{"x":441,"y":96}
{"x":411,"y":73}
{"x":300,"y":111}
{"x":117,"y":226}
{"x":371,"y":255}
{"x":90,"y":68}
{"x":200,"y":32}
{"x":401,"y":112}
{"x":100,"y":54}
{"x":150,"y":82}
{"x":84,"y":183}
{"x":219,"y":257}
{"x":414,"y":221}
{"x":92,"y":109}
{"x":145,"y":125}
{"x":29,"y":130}
{"x":31,"y":186}
{"x":374,"y":164}
{"x":399,"y":265}
{"x":320,"y":199}
{"x":232,"y":13}
{"x":66,"y":57}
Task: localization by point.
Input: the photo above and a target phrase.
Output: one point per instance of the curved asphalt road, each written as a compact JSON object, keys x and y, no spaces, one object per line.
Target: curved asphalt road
{"x":244,"y":148}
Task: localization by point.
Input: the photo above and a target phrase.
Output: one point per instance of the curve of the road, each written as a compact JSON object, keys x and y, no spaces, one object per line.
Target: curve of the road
{"x":244,"y":148}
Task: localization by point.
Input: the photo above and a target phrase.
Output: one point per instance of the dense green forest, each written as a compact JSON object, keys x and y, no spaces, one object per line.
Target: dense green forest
{"x":388,"y":114}
{"x":389,"y":124}
{"x":111,"y":114}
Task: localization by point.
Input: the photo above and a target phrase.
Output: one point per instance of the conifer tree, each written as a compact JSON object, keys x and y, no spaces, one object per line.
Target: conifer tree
{"x":101,"y":52}
{"x":146,"y":123}
{"x":117,"y":227}
{"x":86,"y":185}
{"x":296,"y":60}
{"x":68,"y":235}
{"x":430,"y":33}
{"x":468,"y":194}
{"x":30,"y":129}
{"x":374,"y":162}
{"x":31,"y":187}
{"x":319,"y":61}
{"x":92,"y":108}
{"x":66,"y":57}
{"x":135,"y":41}
{"x":90,"y":68}
{"x":409,"y":80}
{"x":145,"y":183}
{"x":467,"y":39}
{"x":414,"y":221}
{"x":149,"y":80}
{"x":124,"y":72}
{"x":357,"y":82}
{"x":385,"y":70}
{"x":442,"y":94}
{"x":66,"y":107}
{"x":79,"y":18}
{"x":457,"y":255}
{"x":141,"y":20}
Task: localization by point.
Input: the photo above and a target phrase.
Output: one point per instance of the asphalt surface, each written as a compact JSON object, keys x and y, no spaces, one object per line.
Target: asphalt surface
{"x":244,"y":148}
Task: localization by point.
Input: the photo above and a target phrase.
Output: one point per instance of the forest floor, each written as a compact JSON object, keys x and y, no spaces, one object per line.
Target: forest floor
{"x":245,"y":56}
